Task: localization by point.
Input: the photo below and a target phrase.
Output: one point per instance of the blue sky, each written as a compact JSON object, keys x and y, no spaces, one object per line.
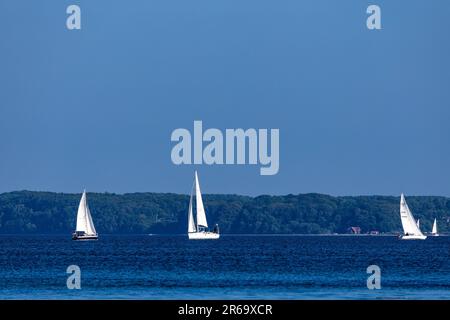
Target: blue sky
{"x":359,"y":111}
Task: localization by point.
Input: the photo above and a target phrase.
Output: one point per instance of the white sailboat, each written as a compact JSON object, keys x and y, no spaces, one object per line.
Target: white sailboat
{"x":85,"y":229}
{"x":418,"y":223}
{"x":198,"y":228}
{"x":434,"y":231}
{"x":410,"y":227}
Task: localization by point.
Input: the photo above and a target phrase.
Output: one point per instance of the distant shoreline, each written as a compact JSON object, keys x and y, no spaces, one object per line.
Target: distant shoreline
{"x":223,"y":194}
{"x":223,"y":234}
{"x":27,"y":212}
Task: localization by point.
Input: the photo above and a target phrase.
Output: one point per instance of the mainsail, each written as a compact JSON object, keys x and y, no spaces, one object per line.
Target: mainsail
{"x":434,"y":231}
{"x":191,"y":222}
{"x":410,"y":226}
{"x":84,"y":218}
{"x":201,"y":216}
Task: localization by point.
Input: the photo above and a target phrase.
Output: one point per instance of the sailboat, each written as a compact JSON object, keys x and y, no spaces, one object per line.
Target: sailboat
{"x":418,"y":223}
{"x":410,"y":227}
{"x":434,"y":231}
{"x":198,"y":228}
{"x":85,"y":229}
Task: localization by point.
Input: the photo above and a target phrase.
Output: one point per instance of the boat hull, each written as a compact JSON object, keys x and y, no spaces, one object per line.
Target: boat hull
{"x":84,"y":237}
{"x":203,"y":235}
{"x":413,"y":237}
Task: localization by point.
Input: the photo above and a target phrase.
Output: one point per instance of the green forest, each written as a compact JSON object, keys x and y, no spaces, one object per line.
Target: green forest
{"x":162,"y":213}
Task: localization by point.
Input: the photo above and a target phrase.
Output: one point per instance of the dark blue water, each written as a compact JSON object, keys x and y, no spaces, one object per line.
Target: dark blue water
{"x":234,"y":267}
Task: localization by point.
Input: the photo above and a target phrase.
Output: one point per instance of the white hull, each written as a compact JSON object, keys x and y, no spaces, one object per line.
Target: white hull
{"x":84,"y":237}
{"x":203,"y":235}
{"x":412,"y":237}
{"x":434,"y":235}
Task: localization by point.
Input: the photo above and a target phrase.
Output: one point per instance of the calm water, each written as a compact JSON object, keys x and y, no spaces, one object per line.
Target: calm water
{"x":234,"y":267}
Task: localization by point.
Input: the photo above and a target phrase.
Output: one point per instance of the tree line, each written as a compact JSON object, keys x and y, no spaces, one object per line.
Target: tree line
{"x":134,"y":213}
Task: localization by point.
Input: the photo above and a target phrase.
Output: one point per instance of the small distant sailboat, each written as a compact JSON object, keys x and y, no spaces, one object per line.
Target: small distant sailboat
{"x":85,"y":229}
{"x":418,"y":223}
{"x":410,"y":226}
{"x":198,"y":230}
{"x":434,"y":231}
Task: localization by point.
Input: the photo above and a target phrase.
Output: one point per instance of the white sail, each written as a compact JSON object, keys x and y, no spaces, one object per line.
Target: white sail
{"x":191,"y":223}
{"x":90,"y":223}
{"x":409,"y":224}
{"x":201,"y":216}
{"x":81,"y":215}
{"x":434,"y":231}
{"x":418,"y":223}
{"x":84,"y":219}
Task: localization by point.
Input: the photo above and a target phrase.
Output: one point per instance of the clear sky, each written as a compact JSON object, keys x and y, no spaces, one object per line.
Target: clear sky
{"x":359,"y":111}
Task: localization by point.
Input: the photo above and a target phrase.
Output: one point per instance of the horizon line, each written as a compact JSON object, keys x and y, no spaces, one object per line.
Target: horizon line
{"x":225,"y":194}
